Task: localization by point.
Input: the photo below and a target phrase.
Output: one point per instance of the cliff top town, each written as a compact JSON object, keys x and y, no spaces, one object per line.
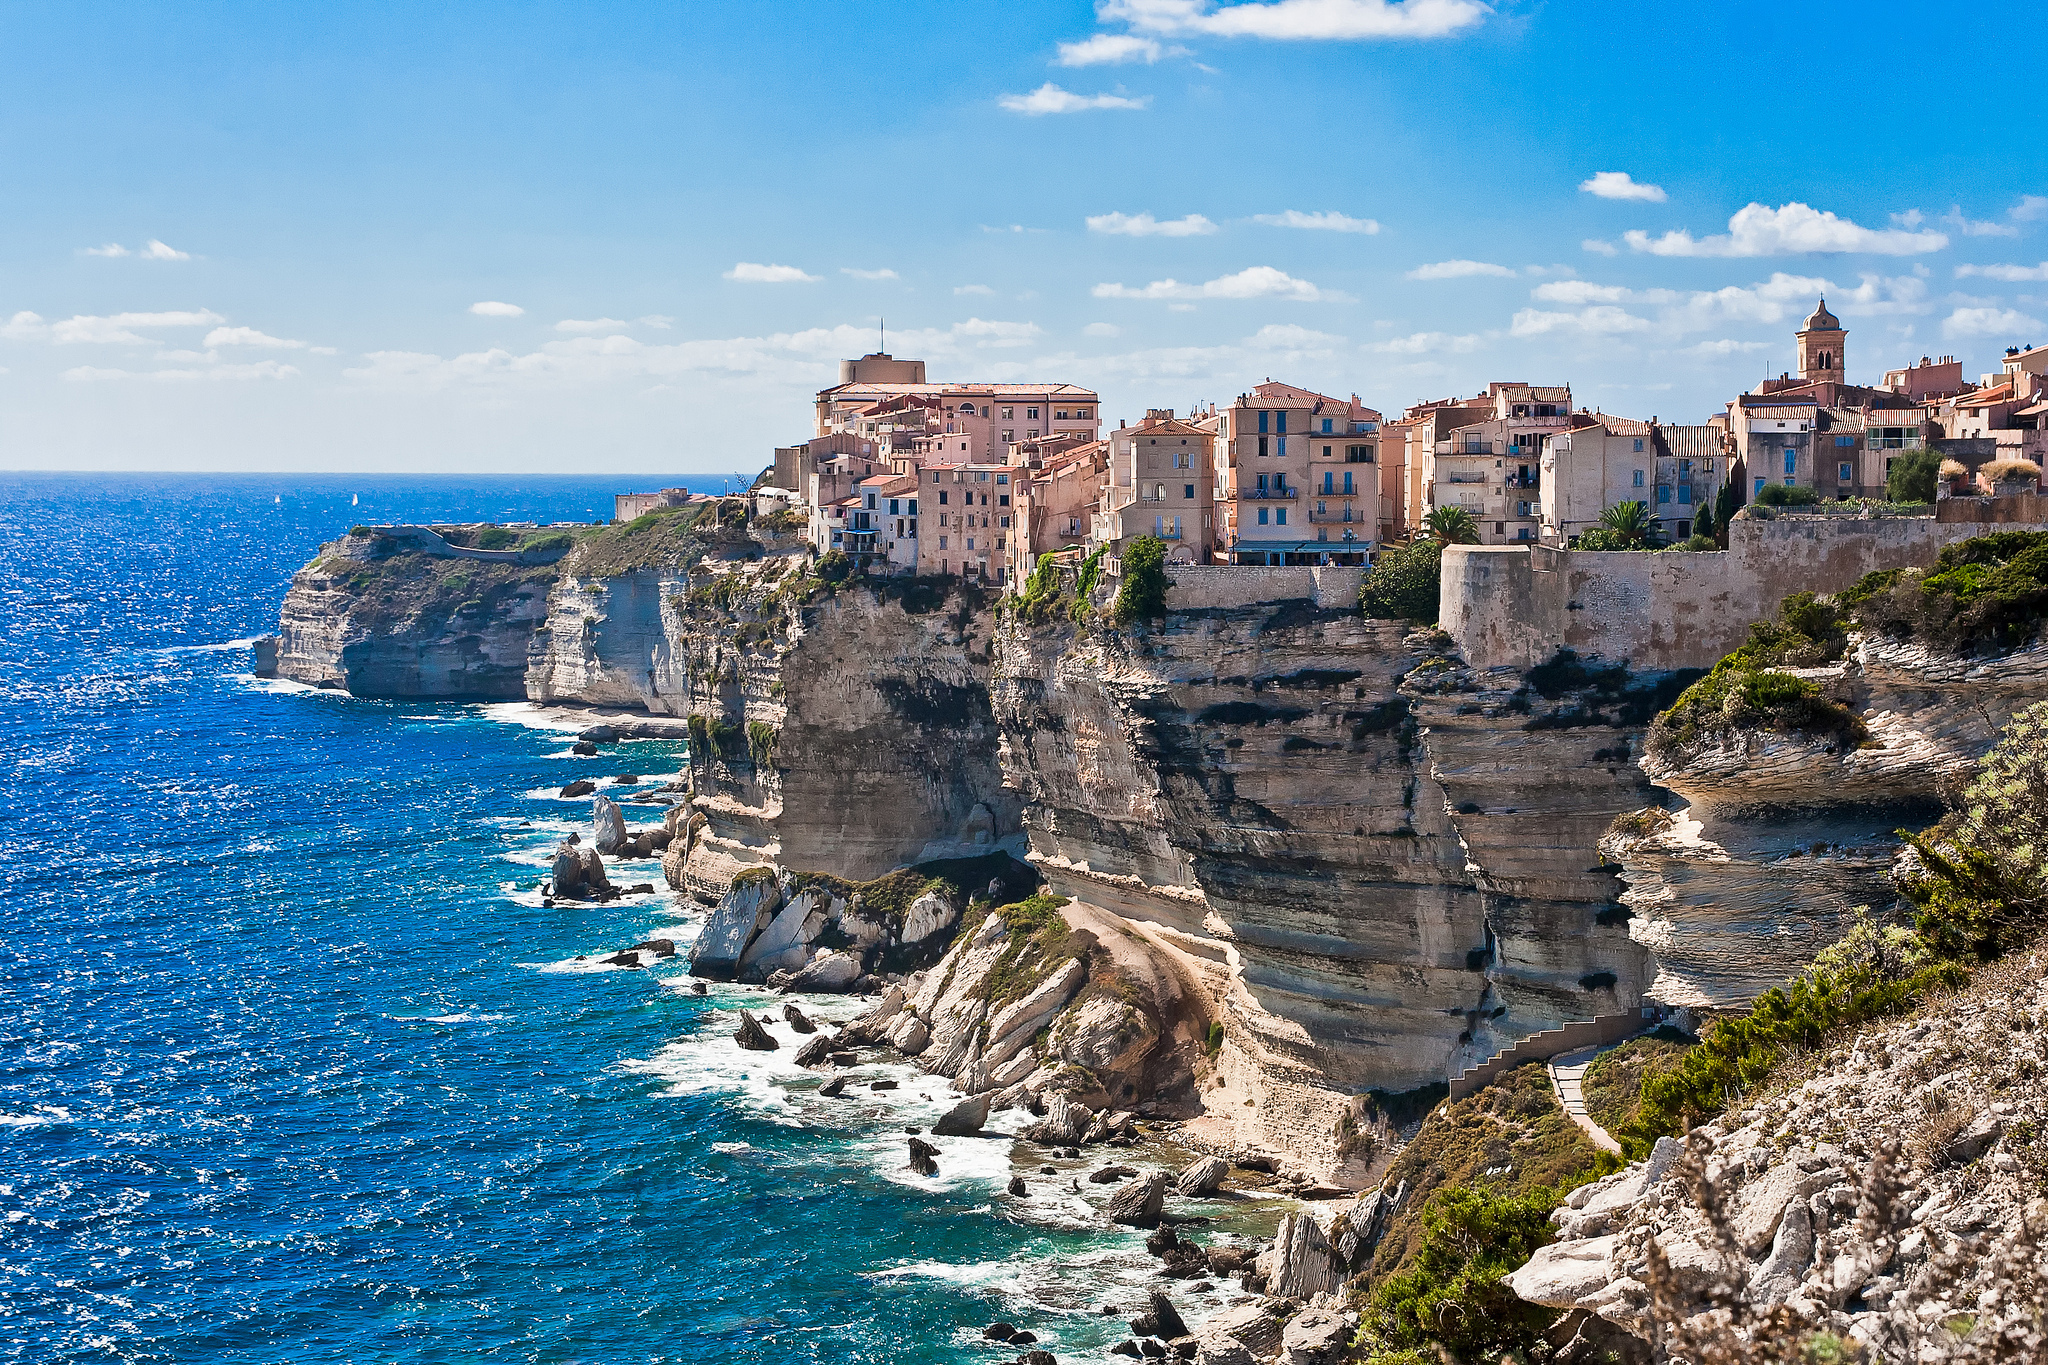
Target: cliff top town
{"x":906,"y":476}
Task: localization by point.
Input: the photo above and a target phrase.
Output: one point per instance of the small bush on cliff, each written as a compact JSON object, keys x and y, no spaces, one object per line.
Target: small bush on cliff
{"x":1040,"y":600}
{"x":1982,"y":596}
{"x":1912,"y":476}
{"x":1745,"y":692}
{"x":1405,"y":583}
{"x":1786,"y":495}
{"x":496,"y":538}
{"x":1613,"y":1084}
{"x":1624,"y":526}
{"x":1450,"y":1302}
{"x":541,"y":542}
{"x":1141,"y":596}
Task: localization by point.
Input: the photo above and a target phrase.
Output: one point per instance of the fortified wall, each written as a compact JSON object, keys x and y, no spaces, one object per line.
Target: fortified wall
{"x":1515,"y":606}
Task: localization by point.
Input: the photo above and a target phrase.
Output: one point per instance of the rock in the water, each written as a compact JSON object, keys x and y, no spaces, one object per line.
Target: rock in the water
{"x":699,"y":988}
{"x":583,"y":747}
{"x":815,"y":1051}
{"x":629,"y":958}
{"x":964,"y":1119}
{"x":626,"y":780}
{"x":660,"y":947}
{"x":578,"y":872}
{"x":845,"y":1059}
{"x":1065,"y":1123}
{"x":828,"y":974}
{"x":1017,"y":1185}
{"x":883,"y":1085}
{"x":1161,"y":1319}
{"x":1140,"y":1203}
{"x":743,"y":911}
{"x":1126,"y":1347}
{"x":582,"y":786}
{"x":1037,"y":1358}
{"x":794,"y":1017}
{"x":1022,"y":1338}
{"x":999,"y":1331}
{"x":831,"y":1089}
{"x":779,"y":980}
{"x":752,"y":1036}
{"x":1111,"y":1173}
{"x":601,"y":734}
{"x":1204,"y":1177}
{"x":923,"y":1157}
{"x":908,"y":1035}
{"x":611,"y":825}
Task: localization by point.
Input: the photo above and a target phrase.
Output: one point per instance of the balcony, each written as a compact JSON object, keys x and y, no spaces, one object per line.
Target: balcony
{"x":1336,"y":518}
{"x":1257,"y":494}
{"x":1467,"y":478}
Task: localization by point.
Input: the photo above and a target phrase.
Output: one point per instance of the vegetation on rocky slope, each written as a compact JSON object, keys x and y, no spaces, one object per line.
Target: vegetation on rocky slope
{"x":1613,"y":1084}
{"x":670,"y":539}
{"x":1404,"y":583}
{"x":1748,"y":691}
{"x":1982,"y":596}
{"x":426,"y":592}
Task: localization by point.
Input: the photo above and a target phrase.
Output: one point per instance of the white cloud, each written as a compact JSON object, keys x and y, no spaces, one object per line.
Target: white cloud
{"x":1988,"y":322}
{"x":1114,"y":49}
{"x":249,"y":336}
{"x":2010,"y":274}
{"x":1721,"y":350}
{"x":490,"y":308}
{"x":972,"y":289}
{"x":153,"y":251}
{"x":1971,"y":228}
{"x":1328,"y":220}
{"x":659,"y":321}
{"x":1594,"y":244}
{"x":748,"y":272}
{"x":1579,"y":292}
{"x":1424,"y":343}
{"x":1102,"y":329}
{"x":1050,"y":99}
{"x":260,"y":369}
{"x":883,"y":274}
{"x":1297,"y":19}
{"x":1292,"y":336}
{"x":591,"y":325}
{"x":1619,"y":185}
{"x":1601,"y":319}
{"x":24,"y":326}
{"x":2032,"y":208}
{"x":1145,"y":225}
{"x":116,"y":330}
{"x":1457,"y":270}
{"x":1257,"y":282}
{"x":1796,"y":228}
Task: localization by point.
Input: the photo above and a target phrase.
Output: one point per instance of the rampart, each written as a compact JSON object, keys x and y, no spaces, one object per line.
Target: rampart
{"x":1515,"y":606}
{"x":1191,"y":587}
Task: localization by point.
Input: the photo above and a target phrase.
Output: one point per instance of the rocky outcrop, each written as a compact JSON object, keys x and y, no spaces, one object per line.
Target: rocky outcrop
{"x":1775,"y":839}
{"x":1891,"y":1197}
{"x":1300,"y":1264}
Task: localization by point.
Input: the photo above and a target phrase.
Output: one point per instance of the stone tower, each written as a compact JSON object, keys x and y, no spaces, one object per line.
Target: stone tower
{"x":1820,"y":346}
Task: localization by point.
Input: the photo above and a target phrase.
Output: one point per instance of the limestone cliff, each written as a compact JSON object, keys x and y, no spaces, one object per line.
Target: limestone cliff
{"x":1774,"y":838}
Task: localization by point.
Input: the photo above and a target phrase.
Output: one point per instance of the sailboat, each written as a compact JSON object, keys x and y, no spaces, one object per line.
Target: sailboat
{"x":354,"y":498}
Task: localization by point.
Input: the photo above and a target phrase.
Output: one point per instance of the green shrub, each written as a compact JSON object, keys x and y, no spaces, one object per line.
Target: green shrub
{"x":496,"y":538}
{"x":1613,"y":1084}
{"x":1040,"y":598}
{"x":1703,"y":522}
{"x":1452,"y":1297}
{"x":1982,"y":595}
{"x":1697,"y":542}
{"x":761,"y":737}
{"x":834,"y":567}
{"x":1912,"y":476}
{"x":1787,"y":495}
{"x":1405,"y":583}
{"x":1743,"y":692}
{"x":1142,"y":593}
{"x":782,"y":520}
{"x":1214,"y":1042}
{"x":541,"y":542}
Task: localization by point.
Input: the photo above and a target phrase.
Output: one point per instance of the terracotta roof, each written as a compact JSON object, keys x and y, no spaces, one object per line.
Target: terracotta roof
{"x":866,"y":390}
{"x":1622,"y":426}
{"x":1689,"y":441}
{"x":1997,"y":393}
{"x":1274,"y":392}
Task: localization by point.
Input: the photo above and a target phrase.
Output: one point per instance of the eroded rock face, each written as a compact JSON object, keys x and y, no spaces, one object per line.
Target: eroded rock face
{"x":1777,"y":838}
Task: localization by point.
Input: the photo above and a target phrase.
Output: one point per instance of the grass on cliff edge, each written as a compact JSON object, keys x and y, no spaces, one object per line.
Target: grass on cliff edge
{"x":670,"y":539}
{"x":1746,"y":691}
{"x":1613,"y":1084}
{"x":424,"y":591}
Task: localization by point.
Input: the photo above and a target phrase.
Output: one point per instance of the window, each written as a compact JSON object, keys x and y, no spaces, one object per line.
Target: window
{"x":1265,"y":419}
{"x":1639,"y":478}
{"x":1280,"y":516}
{"x":1347,"y":483}
{"x":1358,"y":454}
{"x":1326,"y":426}
{"x":1009,"y":434}
{"x":1789,"y":482}
{"x":871,"y":502}
{"x":1002,"y":478}
{"x":1639,"y":445}
{"x":1009,"y":414}
{"x":1189,"y":490}
{"x":1329,"y":482}
{"x":1159,"y":492}
{"x":913,"y":507}
{"x":1522,"y":508}
{"x":1002,"y":499}
{"x":913,"y":529}
{"x":1262,"y":515}
{"x":1262,"y":485}
{"x":1791,"y":462}
{"x":1685,"y":494}
{"x":1262,"y":447}
{"x":895,"y":507}
{"x":1521,"y":533}
{"x":1006,"y":521}
{"x":1326,"y":452}
{"x":1847,"y":473}
{"x":942,"y":493}
{"x":1081,"y":414}
{"x":1663,"y":492}
{"x":942,"y":542}
{"x":1032,"y":434}
{"x":1759,"y":488}
{"x":1280,"y":442}
{"x":1280,"y":422}
{"x":1032,"y":413}
{"x":1845,"y":440}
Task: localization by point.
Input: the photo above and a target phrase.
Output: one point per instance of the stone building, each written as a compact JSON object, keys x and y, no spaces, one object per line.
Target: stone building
{"x":967,"y":516}
{"x":1273,"y":448}
{"x":1162,"y":482}
{"x":1056,"y":500}
{"x":1493,"y":467}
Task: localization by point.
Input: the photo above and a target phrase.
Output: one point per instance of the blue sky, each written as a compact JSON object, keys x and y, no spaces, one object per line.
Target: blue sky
{"x":252,"y":236}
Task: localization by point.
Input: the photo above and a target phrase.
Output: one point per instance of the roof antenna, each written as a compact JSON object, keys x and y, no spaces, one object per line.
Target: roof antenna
{"x":885,"y":336}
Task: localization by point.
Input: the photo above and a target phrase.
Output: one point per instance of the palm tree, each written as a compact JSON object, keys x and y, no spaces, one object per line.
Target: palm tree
{"x":1631,"y":526}
{"x":1451,"y":526}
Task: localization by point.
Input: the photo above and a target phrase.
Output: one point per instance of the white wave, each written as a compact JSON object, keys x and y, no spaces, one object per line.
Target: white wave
{"x":44,"y":1116}
{"x":219,"y":648}
{"x":464,"y":1017}
{"x":732,"y":1146}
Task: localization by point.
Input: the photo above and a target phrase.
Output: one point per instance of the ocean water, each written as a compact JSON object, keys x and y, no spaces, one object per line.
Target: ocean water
{"x":295,"y":1067}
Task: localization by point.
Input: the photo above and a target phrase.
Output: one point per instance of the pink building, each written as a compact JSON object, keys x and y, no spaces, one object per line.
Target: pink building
{"x":968,"y":516}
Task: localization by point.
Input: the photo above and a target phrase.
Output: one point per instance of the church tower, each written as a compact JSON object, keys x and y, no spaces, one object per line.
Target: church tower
{"x":1820,"y":347}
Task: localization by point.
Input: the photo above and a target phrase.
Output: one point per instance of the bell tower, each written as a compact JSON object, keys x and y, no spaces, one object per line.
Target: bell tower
{"x":1820,"y":347}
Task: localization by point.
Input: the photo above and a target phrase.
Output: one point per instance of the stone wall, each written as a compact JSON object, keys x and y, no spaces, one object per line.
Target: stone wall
{"x":1514,"y":607}
{"x":1193,"y":587}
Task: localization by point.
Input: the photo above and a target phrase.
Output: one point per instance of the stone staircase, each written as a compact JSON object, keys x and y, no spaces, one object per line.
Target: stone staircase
{"x":1541,"y":1047}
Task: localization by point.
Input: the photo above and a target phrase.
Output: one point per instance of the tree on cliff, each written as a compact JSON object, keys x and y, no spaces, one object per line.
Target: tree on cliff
{"x":1451,"y":526}
{"x":1143,"y":591}
{"x":1405,"y":582}
{"x":1624,"y":526}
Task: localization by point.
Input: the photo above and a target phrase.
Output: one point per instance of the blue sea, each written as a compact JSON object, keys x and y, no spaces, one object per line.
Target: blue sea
{"x":295,"y":1067}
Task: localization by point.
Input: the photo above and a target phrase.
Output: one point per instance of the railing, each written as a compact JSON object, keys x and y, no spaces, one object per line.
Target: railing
{"x":1269,"y":494}
{"x":1466,"y":478}
{"x":1335,"y":518}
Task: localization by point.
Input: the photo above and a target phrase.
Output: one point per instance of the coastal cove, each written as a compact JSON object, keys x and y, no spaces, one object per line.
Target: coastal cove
{"x":300,"y":1068}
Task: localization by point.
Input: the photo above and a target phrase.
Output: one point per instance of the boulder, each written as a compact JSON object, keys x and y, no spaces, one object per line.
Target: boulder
{"x":1037,"y":1358}
{"x":1300,"y":1265}
{"x":832,"y":1087}
{"x":747,"y":907}
{"x":1239,"y":1336}
{"x":660,"y":947}
{"x":601,"y":734}
{"x":626,"y":780}
{"x":1160,"y":1319}
{"x":872,"y":1025}
{"x":578,"y":873}
{"x":964,"y":1119}
{"x":1139,"y":1205}
{"x":752,"y":1036}
{"x":583,"y":748}
{"x":1064,"y":1125}
{"x":1017,"y":1186}
{"x":785,"y":942}
{"x":629,"y":958}
{"x":908,"y":1035}
{"x":999,"y":1331}
{"x":814,"y":1052}
{"x":1110,"y":1174}
{"x":923,"y":1157}
{"x":1314,"y":1336}
{"x":928,"y":915}
{"x":830,"y":973}
{"x":611,"y":825}
{"x":582,"y":786}
{"x":1204,"y":1177}
{"x":795,"y":1018}
{"x":1562,"y":1273}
